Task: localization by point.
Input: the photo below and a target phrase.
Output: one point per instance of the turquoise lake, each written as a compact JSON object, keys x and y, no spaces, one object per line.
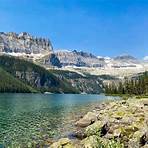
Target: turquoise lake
{"x":35,"y":118}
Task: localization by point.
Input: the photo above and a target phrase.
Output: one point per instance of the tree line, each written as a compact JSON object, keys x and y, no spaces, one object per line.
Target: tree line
{"x":137,"y":86}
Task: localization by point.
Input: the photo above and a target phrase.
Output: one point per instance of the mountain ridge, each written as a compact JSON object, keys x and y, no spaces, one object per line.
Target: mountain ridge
{"x":40,"y":51}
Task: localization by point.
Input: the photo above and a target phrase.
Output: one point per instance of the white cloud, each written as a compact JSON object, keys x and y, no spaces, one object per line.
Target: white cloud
{"x":146,"y":58}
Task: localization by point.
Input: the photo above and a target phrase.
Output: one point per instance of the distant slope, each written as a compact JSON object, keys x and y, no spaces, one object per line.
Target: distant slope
{"x":35,"y":76}
{"x":55,"y":81}
{"x":79,"y":59}
{"x":85,"y":83}
{"x":10,"y":84}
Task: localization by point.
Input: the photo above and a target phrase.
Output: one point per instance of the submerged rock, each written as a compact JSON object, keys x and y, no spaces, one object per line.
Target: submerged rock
{"x":80,"y":134}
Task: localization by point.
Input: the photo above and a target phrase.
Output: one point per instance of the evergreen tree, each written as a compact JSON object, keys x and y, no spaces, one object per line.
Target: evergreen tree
{"x":137,"y":86}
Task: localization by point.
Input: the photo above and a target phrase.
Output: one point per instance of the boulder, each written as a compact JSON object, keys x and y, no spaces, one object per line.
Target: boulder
{"x":139,"y":139}
{"x":80,"y":135}
{"x":63,"y":143}
{"x":98,"y":142}
{"x":117,"y":133}
{"x":98,"y":128}
{"x":91,"y":142}
{"x":88,"y":119}
{"x":144,"y":102}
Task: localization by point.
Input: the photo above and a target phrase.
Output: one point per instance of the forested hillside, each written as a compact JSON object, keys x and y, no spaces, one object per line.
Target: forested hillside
{"x":136,"y":85}
{"x":55,"y":81}
{"x":10,"y":84}
{"x":33,"y":75}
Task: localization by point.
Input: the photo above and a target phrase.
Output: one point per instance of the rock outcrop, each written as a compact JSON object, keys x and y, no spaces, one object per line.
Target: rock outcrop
{"x":31,"y":48}
{"x":126,"y":61}
{"x":87,"y":60}
{"x":40,"y":50}
{"x":88,"y":84}
{"x":79,"y":59}
{"x":119,"y":124}
{"x":23,"y":43}
{"x":51,"y":61}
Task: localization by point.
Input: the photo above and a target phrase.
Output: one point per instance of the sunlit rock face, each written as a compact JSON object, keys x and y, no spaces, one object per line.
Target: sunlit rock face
{"x":52,"y":60}
{"x":79,"y":59}
{"x":23,"y":43}
{"x":126,"y":61}
{"x":82,"y":59}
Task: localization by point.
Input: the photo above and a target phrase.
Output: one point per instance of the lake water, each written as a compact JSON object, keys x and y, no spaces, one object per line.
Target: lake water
{"x":34,"y":118}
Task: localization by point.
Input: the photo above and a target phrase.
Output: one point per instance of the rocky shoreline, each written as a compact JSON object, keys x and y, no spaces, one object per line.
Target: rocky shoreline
{"x":115,"y":124}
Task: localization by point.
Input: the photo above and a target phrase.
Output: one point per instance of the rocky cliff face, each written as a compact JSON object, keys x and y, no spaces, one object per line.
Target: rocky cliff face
{"x":79,"y":59}
{"x":34,"y":76}
{"x":124,"y":61}
{"x":40,"y":51}
{"x":89,"y":84}
{"x":23,"y":43}
{"x":87,"y":60}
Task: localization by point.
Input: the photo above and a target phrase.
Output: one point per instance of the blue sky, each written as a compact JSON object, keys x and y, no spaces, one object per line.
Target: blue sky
{"x":103,"y":27}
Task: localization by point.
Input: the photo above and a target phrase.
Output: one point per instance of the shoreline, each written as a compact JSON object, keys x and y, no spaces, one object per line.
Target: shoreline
{"x":118,"y":124}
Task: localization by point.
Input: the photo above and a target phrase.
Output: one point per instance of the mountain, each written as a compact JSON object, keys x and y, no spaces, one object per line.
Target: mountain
{"x":30,"y":75}
{"x":88,"y":60}
{"x":85,"y":83}
{"x":28,"y":47}
{"x":125,"y":61}
{"x":24,"y":44}
{"x":79,"y":59}
{"x":34,"y":76}
{"x":40,"y":51}
{"x":32,"y":63}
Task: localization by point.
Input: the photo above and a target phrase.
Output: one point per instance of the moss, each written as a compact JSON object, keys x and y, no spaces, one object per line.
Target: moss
{"x":114,"y":144}
{"x":95,"y":129}
{"x":63,"y":143}
{"x":98,"y":142}
{"x":93,"y":142}
{"x":128,"y":131}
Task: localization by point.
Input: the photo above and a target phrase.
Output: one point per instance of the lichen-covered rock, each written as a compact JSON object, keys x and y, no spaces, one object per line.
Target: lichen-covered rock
{"x":98,"y":142}
{"x":92,"y":142}
{"x":98,"y":128}
{"x":144,"y":102}
{"x":114,"y":144}
{"x":139,"y":139}
{"x":145,"y":146}
{"x":63,"y":143}
{"x":120,"y":124}
{"x":117,"y":133}
{"x":88,"y":119}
